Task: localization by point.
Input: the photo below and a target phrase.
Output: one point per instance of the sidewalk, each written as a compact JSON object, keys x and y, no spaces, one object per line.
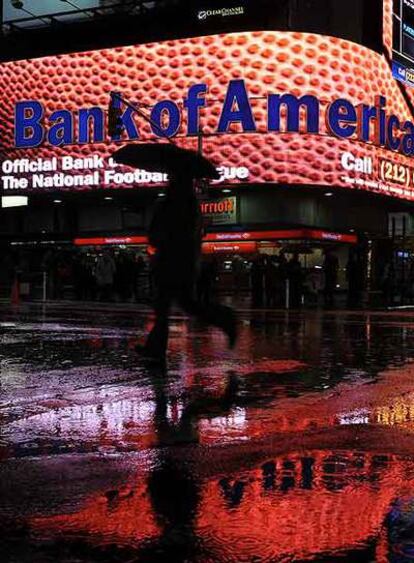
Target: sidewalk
{"x":241,"y":305}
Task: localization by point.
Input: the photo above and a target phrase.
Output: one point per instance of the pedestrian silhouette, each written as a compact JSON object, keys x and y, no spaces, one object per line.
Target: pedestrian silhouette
{"x":257,"y":281}
{"x":175,"y":234}
{"x":270,"y":281}
{"x":331,"y":267}
{"x":295,"y":275}
{"x":355,"y":273}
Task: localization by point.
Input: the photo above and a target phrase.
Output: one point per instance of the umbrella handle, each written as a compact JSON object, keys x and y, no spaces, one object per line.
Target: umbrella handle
{"x":141,"y":113}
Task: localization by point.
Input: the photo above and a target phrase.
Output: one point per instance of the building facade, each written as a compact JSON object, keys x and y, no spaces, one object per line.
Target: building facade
{"x":297,"y":106}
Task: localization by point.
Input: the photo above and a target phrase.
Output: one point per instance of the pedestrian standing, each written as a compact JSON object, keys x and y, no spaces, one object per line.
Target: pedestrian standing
{"x":205,"y":282}
{"x":388,"y":283}
{"x":139,"y":267}
{"x":257,"y":281}
{"x":270,"y":276}
{"x":105,"y":276}
{"x":295,"y":276}
{"x":354,"y":276}
{"x":281,"y":278}
{"x":237,"y":267}
{"x":331,"y":267}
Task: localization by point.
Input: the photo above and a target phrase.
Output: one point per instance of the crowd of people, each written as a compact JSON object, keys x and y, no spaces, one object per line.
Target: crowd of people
{"x":280,"y":282}
{"x":272,"y":281}
{"x":102,"y":276}
{"x":277,"y":281}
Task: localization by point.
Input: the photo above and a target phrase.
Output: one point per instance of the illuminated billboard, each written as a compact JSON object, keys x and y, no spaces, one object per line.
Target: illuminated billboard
{"x":272,"y":107}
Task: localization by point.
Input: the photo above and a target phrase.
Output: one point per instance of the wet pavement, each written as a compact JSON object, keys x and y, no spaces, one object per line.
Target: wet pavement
{"x":296,"y":446}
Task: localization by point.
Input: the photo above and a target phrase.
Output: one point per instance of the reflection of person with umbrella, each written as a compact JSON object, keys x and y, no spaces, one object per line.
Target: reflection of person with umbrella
{"x":176,"y":233}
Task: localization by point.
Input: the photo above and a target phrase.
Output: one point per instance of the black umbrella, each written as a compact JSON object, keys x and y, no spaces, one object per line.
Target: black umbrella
{"x":167,"y":158}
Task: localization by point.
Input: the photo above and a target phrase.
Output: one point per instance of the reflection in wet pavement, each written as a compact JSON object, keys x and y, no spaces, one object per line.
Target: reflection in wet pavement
{"x":297,"y":446}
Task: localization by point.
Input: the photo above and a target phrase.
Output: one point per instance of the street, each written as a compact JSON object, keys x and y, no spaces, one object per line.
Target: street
{"x":295,"y":446}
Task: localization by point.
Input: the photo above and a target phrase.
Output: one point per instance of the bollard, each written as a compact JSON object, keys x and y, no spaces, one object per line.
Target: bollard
{"x":44,"y":287}
{"x":287,"y":294}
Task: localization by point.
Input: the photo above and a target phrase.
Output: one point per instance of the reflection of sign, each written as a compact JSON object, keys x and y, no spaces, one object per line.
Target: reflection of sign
{"x":400,"y":519}
{"x":220,"y":211}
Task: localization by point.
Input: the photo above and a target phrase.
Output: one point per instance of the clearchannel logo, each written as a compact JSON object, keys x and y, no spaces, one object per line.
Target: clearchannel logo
{"x":223,"y":12}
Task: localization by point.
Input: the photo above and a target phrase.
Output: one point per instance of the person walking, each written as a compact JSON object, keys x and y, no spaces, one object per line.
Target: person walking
{"x":175,"y":234}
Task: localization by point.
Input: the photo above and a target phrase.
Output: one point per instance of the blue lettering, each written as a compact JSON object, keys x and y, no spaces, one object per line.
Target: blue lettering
{"x":236,"y":96}
{"x":61,"y":133}
{"x":293,"y":106}
{"x":380,"y":136}
{"x":408,"y":139}
{"x":192,"y":104}
{"x":28,"y":132}
{"x":393,"y":143}
{"x":91,"y":121}
{"x":365,"y":114}
{"x":126,"y":122}
{"x":339,"y":114}
{"x":158,"y":127}
{"x":343,"y":119}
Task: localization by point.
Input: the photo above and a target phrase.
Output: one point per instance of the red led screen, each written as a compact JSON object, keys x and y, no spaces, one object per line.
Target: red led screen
{"x":266,"y":63}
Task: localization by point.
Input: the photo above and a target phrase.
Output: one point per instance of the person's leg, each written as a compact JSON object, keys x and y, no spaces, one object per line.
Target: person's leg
{"x":157,"y":340}
{"x":212,"y":314}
